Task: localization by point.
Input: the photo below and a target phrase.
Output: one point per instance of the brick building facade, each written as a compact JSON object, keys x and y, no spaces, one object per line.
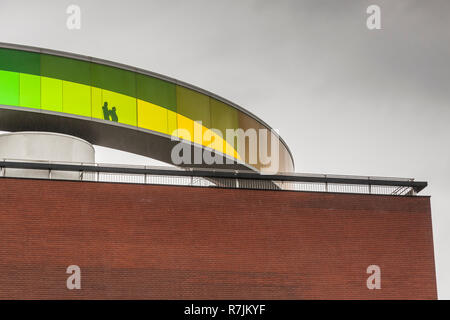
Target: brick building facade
{"x":174,"y":242}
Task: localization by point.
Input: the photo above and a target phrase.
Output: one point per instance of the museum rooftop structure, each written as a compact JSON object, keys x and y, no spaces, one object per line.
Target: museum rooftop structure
{"x":228,"y":219}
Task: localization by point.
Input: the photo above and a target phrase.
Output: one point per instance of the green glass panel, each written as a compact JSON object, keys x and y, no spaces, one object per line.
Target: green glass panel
{"x":30,"y":91}
{"x":194,"y":105}
{"x":114,"y":79}
{"x":224,"y":117}
{"x":9,"y":88}
{"x":66,"y":69}
{"x":51,"y":94}
{"x":20,"y":61}
{"x":159,"y":92}
{"x":97,"y":103}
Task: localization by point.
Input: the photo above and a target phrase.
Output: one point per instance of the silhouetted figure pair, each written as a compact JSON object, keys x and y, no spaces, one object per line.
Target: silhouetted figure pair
{"x":109,"y":114}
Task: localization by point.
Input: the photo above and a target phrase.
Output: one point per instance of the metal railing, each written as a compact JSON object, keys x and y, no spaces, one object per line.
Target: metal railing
{"x":205,"y":177}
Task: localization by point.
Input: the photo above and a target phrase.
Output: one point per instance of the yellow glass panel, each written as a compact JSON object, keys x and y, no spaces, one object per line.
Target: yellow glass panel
{"x":171,"y":122}
{"x":187,"y":125}
{"x":124,"y":107}
{"x":203,"y":136}
{"x":97,"y":103}
{"x":199,"y":130}
{"x":152,"y":117}
{"x":214,"y":141}
{"x":76,"y":99}
{"x":51,"y":94}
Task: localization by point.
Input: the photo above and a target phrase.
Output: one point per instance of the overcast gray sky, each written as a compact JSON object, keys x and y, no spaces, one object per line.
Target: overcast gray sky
{"x":346,"y":100}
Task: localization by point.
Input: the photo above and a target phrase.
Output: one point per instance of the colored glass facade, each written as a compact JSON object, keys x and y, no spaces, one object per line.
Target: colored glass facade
{"x":97,"y":91}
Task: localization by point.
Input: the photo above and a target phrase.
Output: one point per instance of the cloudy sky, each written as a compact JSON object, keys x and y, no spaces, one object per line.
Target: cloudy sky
{"x":347,"y":100}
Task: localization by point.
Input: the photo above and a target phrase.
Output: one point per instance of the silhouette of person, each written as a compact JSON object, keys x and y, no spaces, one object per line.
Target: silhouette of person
{"x":114,"y":114}
{"x":107,"y":114}
{"x":105,"y":111}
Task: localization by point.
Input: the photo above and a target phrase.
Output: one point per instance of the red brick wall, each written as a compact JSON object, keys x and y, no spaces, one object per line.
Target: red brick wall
{"x":166,"y":242}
